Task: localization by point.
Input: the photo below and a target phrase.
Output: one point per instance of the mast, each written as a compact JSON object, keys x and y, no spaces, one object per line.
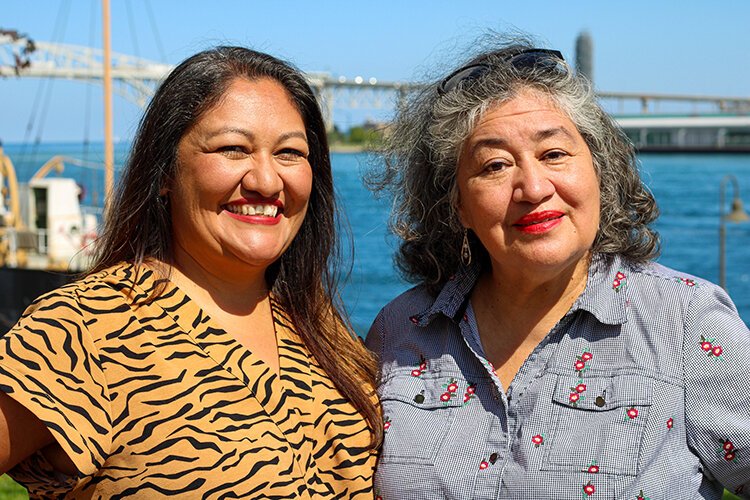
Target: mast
{"x":109,"y":150}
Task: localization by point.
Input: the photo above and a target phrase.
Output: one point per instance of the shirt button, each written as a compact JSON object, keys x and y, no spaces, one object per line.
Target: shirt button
{"x":599,"y":401}
{"x":493,"y":458}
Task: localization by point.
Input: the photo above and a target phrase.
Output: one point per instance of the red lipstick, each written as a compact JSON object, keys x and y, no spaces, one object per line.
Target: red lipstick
{"x":236,"y":209}
{"x":539,"y":222}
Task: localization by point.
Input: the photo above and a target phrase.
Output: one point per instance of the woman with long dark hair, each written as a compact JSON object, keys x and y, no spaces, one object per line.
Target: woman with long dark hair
{"x":204,"y":354}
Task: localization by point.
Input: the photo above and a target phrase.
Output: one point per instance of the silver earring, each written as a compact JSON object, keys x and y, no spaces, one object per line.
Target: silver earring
{"x":465,"y":250}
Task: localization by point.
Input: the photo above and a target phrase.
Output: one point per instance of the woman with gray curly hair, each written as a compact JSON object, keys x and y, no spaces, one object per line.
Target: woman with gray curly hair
{"x":543,"y":353}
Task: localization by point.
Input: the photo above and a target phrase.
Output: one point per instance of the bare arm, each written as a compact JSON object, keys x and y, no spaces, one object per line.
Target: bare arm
{"x":21,"y":433}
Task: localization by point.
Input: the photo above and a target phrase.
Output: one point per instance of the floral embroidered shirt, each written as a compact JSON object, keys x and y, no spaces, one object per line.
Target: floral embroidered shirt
{"x":641,"y":391}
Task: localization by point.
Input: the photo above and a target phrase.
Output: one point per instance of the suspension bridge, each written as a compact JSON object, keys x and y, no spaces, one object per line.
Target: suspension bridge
{"x":650,"y":119}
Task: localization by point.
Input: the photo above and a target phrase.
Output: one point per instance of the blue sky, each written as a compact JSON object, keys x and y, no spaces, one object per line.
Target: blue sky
{"x":669,"y":46}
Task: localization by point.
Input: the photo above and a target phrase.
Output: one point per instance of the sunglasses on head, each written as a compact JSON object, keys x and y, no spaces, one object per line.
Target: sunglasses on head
{"x":525,"y":59}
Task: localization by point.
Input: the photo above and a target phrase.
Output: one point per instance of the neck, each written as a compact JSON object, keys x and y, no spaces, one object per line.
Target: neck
{"x":237,"y":293}
{"x":533,"y":304}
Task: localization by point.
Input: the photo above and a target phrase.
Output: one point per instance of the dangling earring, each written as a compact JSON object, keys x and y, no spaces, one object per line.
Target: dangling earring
{"x":465,"y":250}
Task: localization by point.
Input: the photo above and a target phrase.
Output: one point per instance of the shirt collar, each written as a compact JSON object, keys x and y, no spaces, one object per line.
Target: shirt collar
{"x":605,"y":295}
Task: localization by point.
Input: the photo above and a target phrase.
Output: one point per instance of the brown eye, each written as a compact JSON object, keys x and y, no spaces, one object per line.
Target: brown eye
{"x":291,"y":154}
{"x":496,"y":166}
{"x":555,"y":155}
{"x":233,"y":152}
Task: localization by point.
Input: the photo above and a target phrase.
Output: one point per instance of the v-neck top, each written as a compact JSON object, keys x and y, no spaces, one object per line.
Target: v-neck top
{"x":150,"y":398}
{"x":641,"y":391}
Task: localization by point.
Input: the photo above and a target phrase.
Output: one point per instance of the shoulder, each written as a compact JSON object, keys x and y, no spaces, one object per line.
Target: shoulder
{"x":657,"y":281}
{"x":409,"y":303}
{"x":75,"y":302}
{"x":397,"y":318}
{"x":658,"y":291}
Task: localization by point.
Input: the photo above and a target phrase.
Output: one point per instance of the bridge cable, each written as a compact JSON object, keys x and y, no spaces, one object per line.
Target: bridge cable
{"x":88,"y":173}
{"x":131,"y":25}
{"x":60,"y":27}
{"x":24,"y":155}
{"x":155,"y":31}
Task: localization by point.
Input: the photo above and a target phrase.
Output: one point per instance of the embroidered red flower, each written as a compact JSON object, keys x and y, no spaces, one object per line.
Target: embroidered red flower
{"x":574,"y":397}
{"x":632,"y":413}
{"x":589,"y":489}
{"x":688,"y":281}
{"x":580,"y":363}
{"x":728,"y":445}
{"x":417,"y":372}
{"x":641,"y":496}
{"x":452,"y":387}
{"x":619,"y":282}
{"x":538,"y":440}
{"x":729,"y":456}
{"x":593,"y":469}
{"x":387,"y":423}
{"x":581,"y":388}
{"x":670,"y":423}
{"x":469,"y":394}
{"x":445,"y":397}
{"x":709,"y":345}
{"x":483,"y":465}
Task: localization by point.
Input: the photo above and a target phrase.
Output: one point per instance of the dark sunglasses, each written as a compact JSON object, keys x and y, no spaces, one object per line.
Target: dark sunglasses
{"x":525,"y":59}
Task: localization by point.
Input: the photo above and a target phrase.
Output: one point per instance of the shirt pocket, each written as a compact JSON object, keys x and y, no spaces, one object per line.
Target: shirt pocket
{"x":598,"y":421}
{"x":418,"y":413}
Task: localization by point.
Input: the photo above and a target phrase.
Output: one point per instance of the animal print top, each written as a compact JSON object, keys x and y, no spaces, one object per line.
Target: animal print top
{"x":150,"y":398}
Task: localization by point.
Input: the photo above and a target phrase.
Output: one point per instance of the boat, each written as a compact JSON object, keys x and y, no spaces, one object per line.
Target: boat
{"x":46,"y":236}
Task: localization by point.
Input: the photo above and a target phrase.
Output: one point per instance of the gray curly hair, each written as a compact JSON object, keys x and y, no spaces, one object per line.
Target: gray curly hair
{"x":422,"y":150}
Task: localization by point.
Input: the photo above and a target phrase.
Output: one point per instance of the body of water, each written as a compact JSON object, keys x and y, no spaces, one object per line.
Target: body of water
{"x":686,"y":187}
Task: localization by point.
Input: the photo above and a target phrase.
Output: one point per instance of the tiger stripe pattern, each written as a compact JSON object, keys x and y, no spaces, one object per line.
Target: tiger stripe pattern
{"x":151,"y":399}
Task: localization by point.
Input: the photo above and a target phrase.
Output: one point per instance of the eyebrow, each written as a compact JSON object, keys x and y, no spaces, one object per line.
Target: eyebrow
{"x":249,"y":134}
{"x":547,"y":133}
{"x":499,"y":142}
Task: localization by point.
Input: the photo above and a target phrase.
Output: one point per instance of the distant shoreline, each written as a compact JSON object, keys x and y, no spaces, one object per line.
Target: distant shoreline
{"x":347,"y":148}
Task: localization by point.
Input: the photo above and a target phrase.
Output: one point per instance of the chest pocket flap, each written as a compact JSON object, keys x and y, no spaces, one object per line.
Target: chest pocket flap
{"x":418,"y":412}
{"x":599,"y":420}
{"x":603,"y":393}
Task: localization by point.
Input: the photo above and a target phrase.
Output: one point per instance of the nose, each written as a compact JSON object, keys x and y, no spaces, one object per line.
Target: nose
{"x":262,"y":177}
{"x":532,"y":183}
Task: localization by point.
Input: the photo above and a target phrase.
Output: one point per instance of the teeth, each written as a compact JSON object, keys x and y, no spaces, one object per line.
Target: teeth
{"x":266,"y":210}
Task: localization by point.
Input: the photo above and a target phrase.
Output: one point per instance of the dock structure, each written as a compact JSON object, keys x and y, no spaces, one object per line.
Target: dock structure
{"x":682,"y":123}
{"x":654,"y":122}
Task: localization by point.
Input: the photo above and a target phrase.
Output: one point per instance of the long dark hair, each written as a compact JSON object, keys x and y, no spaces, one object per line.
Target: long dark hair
{"x":304,"y":280}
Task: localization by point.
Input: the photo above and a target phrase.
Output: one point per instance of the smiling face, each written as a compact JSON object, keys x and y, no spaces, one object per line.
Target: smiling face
{"x":528,"y":189}
{"x":243,"y":181}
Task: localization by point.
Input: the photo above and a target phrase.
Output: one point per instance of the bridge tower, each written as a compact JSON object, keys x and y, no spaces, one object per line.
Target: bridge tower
{"x":585,"y":55}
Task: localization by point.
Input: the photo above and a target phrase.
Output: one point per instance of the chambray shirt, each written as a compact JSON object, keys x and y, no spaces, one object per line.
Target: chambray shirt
{"x":641,"y":391}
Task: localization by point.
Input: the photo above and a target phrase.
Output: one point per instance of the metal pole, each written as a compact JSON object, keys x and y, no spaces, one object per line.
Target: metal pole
{"x":722,"y":238}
